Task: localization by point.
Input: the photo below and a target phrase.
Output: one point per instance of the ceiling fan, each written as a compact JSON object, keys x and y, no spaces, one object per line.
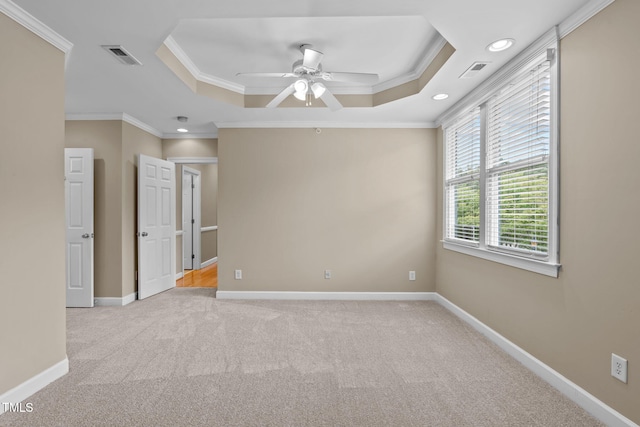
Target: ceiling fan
{"x":308,"y":72}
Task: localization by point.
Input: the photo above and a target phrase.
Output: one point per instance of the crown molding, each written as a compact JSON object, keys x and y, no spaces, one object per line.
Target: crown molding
{"x":336,"y":90}
{"x":427,"y":58}
{"x":141,"y":125}
{"x":92,"y":116}
{"x":34,"y":25}
{"x":184,"y":59}
{"x":116,"y":116}
{"x":172,"y":135}
{"x":326,"y":125}
{"x":582,"y":15}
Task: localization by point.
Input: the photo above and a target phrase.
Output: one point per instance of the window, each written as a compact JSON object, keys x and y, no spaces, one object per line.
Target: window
{"x":463,"y":178}
{"x":500,"y":173}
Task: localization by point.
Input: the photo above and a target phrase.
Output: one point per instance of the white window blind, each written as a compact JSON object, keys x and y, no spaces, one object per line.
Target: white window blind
{"x":517,"y":164}
{"x":501,"y":167}
{"x":462,"y":185}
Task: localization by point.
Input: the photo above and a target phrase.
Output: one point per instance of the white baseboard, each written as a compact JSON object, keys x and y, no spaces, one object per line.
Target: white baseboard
{"x":207,"y":263}
{"x":179,"y":275}
{"x":115,"y":301}
{"x":580,"y":396}
{"x":34,"y":384}
{"x":340,"y":296}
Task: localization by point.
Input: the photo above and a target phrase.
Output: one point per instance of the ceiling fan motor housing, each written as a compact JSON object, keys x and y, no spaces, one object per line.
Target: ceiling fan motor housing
{"x":299,"y":69}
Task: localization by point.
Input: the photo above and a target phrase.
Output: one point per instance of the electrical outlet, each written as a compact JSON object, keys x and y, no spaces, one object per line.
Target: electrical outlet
{"x":412,"y":275}
{"x":619,"y":368}
{"x":238,"y":274}
{"x":327,"y":274}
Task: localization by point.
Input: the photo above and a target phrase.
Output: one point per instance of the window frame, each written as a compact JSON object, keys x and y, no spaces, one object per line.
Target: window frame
{"x":546,"y":49}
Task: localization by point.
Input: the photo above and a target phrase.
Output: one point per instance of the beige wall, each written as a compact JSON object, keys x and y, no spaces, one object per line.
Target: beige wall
{"x":360,"y":202}
{"x":575,"y":322}
{"x":32,"y":221}
{"x":209,"y":195}
{"x":207,"y":147}
{"x":209,"y":208}
{"x":105,"y":137}
{"x":116,"y":145}
{"x":134,"y":141}
{"x":209,"y":178}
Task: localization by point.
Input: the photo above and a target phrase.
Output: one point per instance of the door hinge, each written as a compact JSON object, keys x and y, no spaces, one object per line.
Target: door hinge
{"x":193,"y":256}
{"x":193,"y":186}
{"x":193,"y":221}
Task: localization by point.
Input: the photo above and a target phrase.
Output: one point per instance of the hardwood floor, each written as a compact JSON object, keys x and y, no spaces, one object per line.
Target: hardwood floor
{"x":204,"y":278}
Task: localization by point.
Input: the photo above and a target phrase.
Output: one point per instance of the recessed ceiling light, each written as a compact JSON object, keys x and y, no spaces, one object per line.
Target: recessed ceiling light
{"x":440,"y":96}
{"x":500,"y":45}
{"x":183,"y":130}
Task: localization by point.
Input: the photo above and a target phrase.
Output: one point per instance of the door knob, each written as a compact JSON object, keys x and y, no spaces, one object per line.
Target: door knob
{"x":85,"y":236}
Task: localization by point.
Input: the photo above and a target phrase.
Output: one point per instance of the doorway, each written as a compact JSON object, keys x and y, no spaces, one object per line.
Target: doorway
{"x":197,"y":207}
{"x":191,"y":219}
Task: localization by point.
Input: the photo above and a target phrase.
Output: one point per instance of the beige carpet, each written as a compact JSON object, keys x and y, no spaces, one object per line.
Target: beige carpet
{"x":183,"y":358}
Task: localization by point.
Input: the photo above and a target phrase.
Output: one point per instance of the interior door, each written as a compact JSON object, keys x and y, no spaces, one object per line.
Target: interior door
{"x":156,"y":226}
{"x":78,"y":189}
{"x":187,"y":220}
{"x":191,"y":218}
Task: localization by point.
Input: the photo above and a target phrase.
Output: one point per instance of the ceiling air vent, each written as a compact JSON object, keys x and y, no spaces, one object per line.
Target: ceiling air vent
{"x":121,"y":54}
{"x":475,"y":68}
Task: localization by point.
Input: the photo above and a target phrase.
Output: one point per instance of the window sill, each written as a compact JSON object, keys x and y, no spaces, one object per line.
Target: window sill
{"x":540,"y":267}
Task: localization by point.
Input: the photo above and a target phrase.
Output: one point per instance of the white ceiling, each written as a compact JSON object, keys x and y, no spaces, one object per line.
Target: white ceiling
{"x":222,"y":38}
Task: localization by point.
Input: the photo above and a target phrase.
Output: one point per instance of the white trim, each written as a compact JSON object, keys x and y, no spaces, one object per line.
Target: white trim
{"x":94,"y":116}
{"x":336,"y":90}
{"x":115,"y":301}
{"x":211,"y":228}
{"x":192,"y":160}
{"x":327,"y":125}
{"x":434,"y":48}
{"x":179,"y":232}
{"x":326,"y":296}
{"x":35,"y":384}
{"x":179,"y":275}
{"x":141,"y":125}
{"x":209,"y":262}
{"x":115,"y":116}
{"x":36,"y":26}
{"x":196,"y":216}
{"x":184,"y":59}
{"x":173,"y":135}
{"x":582,"y":15}
{"x":432,"y":51}
{"x":540,"y":267}
{"x":580,"y":396}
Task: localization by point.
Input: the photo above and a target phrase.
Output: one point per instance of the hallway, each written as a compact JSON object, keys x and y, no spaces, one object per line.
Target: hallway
{"x":206,"y":277}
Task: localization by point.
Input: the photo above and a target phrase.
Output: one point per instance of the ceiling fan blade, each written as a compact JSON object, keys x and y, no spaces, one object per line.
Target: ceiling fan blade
{"x":330,"y":100}
{"x":266,"y":75}
{"x":364,"y":78}
{"x":281,"y":96}
{"x":312,"y":58}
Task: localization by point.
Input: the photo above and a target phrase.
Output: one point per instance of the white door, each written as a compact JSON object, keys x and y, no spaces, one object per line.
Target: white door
{"x":156,"y":226}
{"x":191,"y":220}
{"x":78,"y":190}
{"x":187,"y":220}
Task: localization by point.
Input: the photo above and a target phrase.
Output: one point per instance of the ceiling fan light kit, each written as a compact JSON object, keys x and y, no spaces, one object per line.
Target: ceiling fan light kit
{"x":307,"y":70}
{"x":301,"y":86}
